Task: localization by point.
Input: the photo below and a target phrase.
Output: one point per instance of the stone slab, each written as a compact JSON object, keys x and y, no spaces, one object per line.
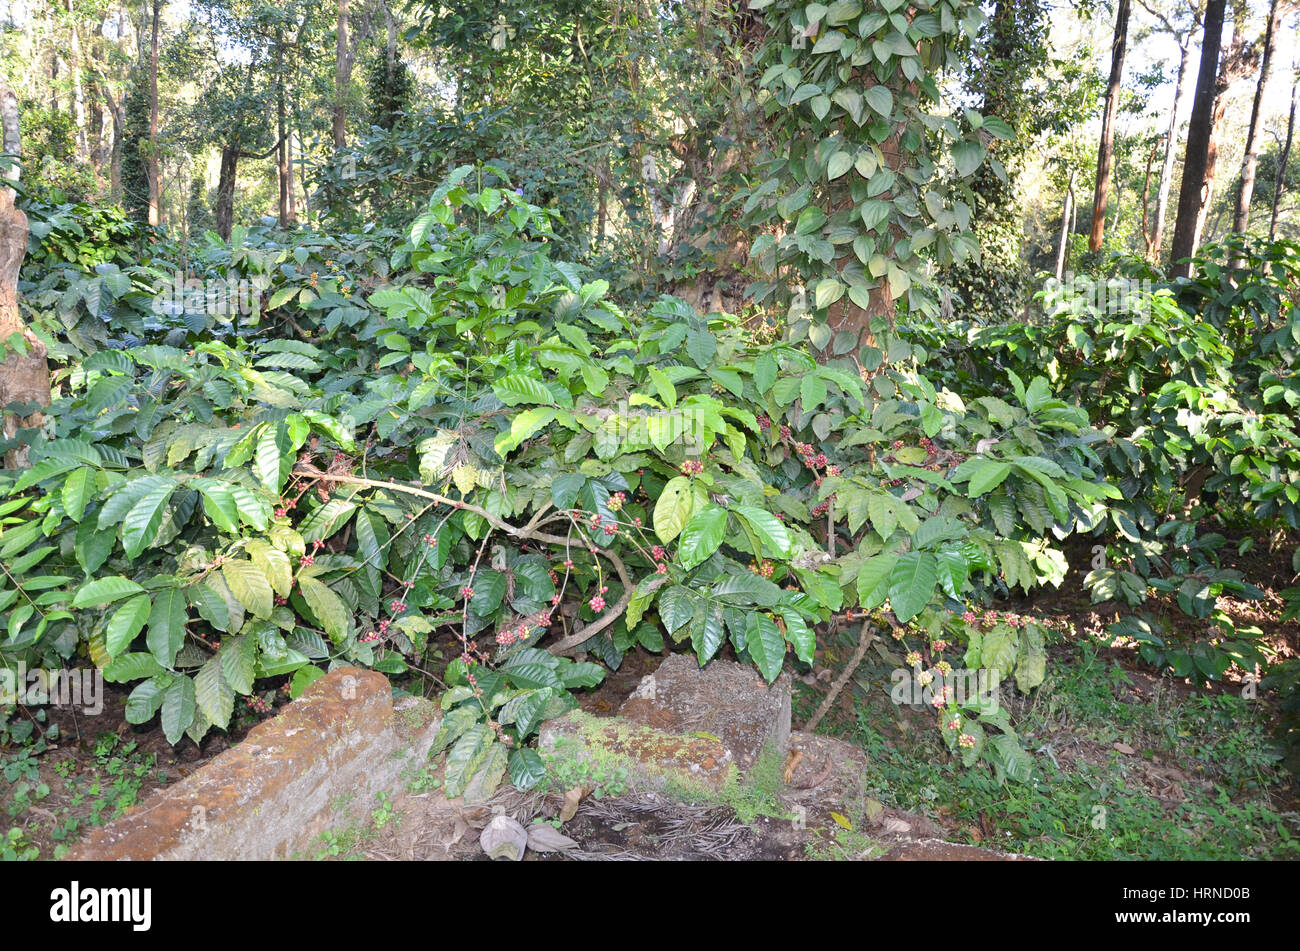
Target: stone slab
{"x":270,"y":795}
{"x":652,"y":759}
{"x":724,"y":699}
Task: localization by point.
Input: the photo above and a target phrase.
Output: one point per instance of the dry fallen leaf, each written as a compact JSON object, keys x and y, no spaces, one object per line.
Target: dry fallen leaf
{"x":545,"y":838}
{"x":1124,"y":748}
{"x":791,"y":764}
{"x":897,"y":825}
{"x":572,"y":799}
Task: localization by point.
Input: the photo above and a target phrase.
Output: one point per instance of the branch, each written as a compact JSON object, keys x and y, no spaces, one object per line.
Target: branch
{"x":527,"y":532}
{"x":266,"y":154}
{"x":865,"y":638}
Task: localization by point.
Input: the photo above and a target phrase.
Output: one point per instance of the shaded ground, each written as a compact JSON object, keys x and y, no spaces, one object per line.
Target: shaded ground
{"x":1129,"y":763}
{"x":88,"y":771}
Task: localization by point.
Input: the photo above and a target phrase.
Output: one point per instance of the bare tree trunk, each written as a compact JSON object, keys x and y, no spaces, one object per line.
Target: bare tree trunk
{"x":225,"y":210}
{"x":78,"y":92}
{"x":152,"y":164}
{"x":1157,"y":242}
{"x":1282,"y":161}
{"x":1241,"y":219}
{"x":1236,"y":63}
{"x":390,"y":47}
{"x":1195,"y":163}
{"x":114,"y":147}
{"x":282,"y":168}
{"x":1065,"y":227}
{"x":342,"y":78}
{"x":1106,"y":151}
{"x":24,"y":373}
{"x":1146,"y":199}
{"x":293,"y":195}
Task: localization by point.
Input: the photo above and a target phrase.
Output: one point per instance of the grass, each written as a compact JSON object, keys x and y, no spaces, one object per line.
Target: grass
{"x":1202,"y":780}
{"x":347,"y":842}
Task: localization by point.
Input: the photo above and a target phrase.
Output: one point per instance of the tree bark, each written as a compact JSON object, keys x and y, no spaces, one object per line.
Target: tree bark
{"x":342,"y":78}
{"x":1106,"y":151}
{"x":1146,"y":199}
{"x":1157,"y":242}
{"x":1196,"y":158}
{"x":152,"y":164}
{"x":282,"y":167}
{"x":1282,"y":161}
{"x":225,"y":209}
{"x":1241,"y":219}
{"x":1236,"y":63}
{"x":78,"y":91}
{"x":24,"y":373}
{"x":1065,"y":227}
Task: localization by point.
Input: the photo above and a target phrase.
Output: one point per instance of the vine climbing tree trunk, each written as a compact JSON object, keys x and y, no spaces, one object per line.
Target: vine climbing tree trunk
{"x":24,"y":373}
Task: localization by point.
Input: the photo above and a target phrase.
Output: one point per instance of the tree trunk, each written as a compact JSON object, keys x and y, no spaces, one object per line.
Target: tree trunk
{"x":1196,"y":159}
{"x":225,"y":210}
{"x":1236,"y":63}
{"x":78,"y":91}
{"x":24,"y":373}
{"x":1282,"y":161}
{"x":282,"y":167}
{"x":1249,"y":162}
{"x":342,"y":78}
{"x":1106,"y":151}
{"x":1157,"y":242}
{"x":1065,"y":227}
{"x":1146,"y":199}
{"x":152,"y":164}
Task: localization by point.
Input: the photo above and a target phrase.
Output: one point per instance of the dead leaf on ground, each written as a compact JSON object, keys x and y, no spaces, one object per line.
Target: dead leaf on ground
{"x":1124,"y":748}
{"x":791,"y":764}
{"x":897,"y":826}
{"x":572,"y":799}
{"x":547,"y":838}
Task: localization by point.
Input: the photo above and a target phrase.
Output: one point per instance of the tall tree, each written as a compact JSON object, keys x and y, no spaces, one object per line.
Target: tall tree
{"x":1249,"y":161}
{"x":342,"y":77}
{"x":1282,"y":160}
{"x":24,"y":373}
{"x":152,"y":163}
{"x":1106,"y":150}
{"x":1182,"y":32}
{"x":1065,"y":226}
{"x":1236,"y":62}
{"x":1194,"y":186}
